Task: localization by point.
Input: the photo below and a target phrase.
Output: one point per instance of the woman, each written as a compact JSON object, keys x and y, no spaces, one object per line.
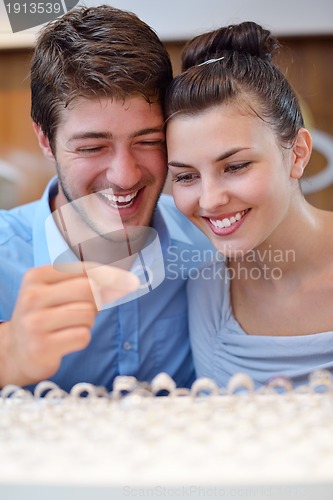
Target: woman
{"x":237,"y":149}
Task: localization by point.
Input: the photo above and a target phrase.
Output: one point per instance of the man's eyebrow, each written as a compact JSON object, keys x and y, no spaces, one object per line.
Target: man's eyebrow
{"x":147,"y":131}
{"x":221,"y":157}
{"x":90,"y":135}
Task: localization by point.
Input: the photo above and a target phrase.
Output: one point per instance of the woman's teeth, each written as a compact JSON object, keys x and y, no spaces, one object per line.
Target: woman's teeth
{"x":227,"y":222}
{"x":126,"y":201}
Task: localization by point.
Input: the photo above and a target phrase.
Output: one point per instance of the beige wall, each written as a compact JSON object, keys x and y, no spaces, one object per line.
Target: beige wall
{"x":24,"y":169}
{"x":307,"y":62}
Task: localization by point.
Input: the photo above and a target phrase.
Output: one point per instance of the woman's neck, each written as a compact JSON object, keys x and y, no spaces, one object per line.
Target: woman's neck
{"x":293,"y":249}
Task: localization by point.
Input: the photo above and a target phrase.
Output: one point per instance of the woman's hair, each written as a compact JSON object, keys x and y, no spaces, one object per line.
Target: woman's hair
{"x":95,"y":52}
{"x":234,"y":64}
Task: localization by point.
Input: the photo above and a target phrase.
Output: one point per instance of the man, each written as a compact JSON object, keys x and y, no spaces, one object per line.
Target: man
{"x":98,"y":79}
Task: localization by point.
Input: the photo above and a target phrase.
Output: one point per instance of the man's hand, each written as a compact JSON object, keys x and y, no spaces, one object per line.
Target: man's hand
{"x":54,"y":314}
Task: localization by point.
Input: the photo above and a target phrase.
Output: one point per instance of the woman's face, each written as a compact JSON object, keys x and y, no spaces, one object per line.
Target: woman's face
{"x":230,"y":176}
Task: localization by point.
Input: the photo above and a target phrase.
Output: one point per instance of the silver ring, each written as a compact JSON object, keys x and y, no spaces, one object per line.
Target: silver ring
{"x":280,"y":384}
{"x":163,"y":383}
{"x":123,"y":384}
{"x":44,"y":387}
{"x":240,"y":381}
{"x":321,"y":380}
{"x":15,"y":391}
{"x":81,"y":388}
{"x":204,"y":386}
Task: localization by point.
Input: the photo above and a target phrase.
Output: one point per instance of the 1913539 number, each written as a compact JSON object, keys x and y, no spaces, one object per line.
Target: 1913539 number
{"x":33,"y":8}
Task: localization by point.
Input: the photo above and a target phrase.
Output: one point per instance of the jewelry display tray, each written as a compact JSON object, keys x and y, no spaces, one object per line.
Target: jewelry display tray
{"x":156,"y":440}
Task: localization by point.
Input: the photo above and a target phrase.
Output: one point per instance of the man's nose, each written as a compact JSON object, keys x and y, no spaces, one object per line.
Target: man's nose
{"x":123,"y":170}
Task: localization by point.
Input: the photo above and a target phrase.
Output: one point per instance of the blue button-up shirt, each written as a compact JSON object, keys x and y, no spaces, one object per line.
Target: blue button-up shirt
{"x":140,"y":337}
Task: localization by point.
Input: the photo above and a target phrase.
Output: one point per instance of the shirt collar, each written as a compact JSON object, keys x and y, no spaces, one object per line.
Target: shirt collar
{"x":49,"y":242}
{"x":43,"y":211}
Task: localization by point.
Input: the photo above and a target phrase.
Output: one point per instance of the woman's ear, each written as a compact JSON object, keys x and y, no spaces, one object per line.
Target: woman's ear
{"x":301,"y":152}
{"x":43,"y":142}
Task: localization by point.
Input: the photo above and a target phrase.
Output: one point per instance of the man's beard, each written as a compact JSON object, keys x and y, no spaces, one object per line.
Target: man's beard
{"x":94,"y":242}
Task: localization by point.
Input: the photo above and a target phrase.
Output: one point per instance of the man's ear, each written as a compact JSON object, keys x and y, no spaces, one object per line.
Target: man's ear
{"x":43,"y":142}
{"x":301,"y":152}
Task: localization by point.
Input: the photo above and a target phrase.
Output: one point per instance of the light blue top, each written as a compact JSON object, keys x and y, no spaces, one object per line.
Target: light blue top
{"x":141,"y":337}
{"x":222,"y":348}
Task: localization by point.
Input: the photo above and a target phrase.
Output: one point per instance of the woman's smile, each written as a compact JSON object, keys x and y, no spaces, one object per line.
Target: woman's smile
{"x":227,"y":165}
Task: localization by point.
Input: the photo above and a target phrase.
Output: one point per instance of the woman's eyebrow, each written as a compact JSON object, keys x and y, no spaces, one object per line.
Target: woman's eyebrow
{"x":177,"y":164}
{"x":221,"y":157}
{"x":231,"y":152}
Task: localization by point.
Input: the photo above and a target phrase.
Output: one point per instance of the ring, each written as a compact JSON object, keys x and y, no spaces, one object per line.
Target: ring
{"x":162,"y":384}
{"x":14,"y":391}
{"x":56,"y":393}
{"x":280,"y":384}
{"x":78,"y":390}
{"x":321,"y":380}
{"x":44,"y":387}
{"x":240,"y":382}
{"x":204,"y":386}
{"x":124,"y":384}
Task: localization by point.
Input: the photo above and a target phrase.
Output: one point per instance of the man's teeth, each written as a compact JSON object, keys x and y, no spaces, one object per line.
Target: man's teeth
{"x":128,"y":199}
{"x":227,"y":222}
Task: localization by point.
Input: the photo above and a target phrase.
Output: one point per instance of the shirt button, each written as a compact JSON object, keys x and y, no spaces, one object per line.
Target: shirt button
{"x":127,"y":346}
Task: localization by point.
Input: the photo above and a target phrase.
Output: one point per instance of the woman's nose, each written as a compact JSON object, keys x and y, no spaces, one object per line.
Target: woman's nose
{"x":214,"y":193}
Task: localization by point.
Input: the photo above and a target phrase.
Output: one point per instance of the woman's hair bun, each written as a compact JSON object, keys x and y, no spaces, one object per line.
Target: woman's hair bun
{"x":247,"y":38}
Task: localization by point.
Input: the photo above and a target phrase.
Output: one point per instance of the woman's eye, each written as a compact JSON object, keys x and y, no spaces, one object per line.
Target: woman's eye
{"x":184,"y":178}
{"x":237,"y":167}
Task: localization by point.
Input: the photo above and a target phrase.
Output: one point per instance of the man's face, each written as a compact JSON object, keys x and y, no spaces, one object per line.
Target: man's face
{"x":111,"y":161}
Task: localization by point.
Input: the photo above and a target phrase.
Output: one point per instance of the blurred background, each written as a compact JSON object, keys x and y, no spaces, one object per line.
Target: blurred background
{"x":304,"y":27}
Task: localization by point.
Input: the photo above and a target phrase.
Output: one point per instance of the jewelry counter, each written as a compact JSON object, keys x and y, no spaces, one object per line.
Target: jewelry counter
{"x":157,"y":440}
